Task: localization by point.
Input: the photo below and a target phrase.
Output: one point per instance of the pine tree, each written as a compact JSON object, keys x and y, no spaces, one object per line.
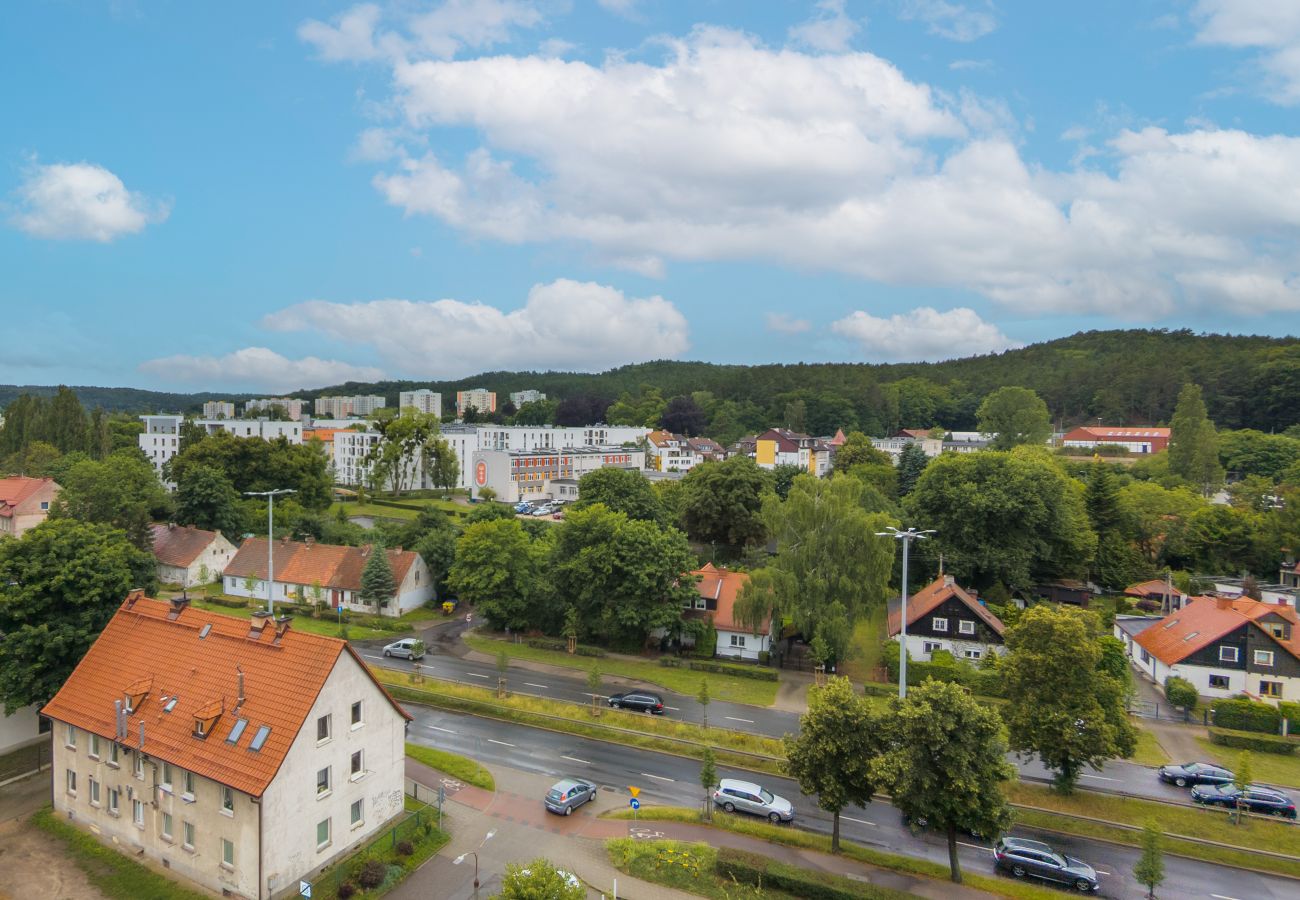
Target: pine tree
{"x":911,"y":463}
{"x":1193,"y":442}
{"x":1101,"y":499}
{"x":377,"y":585}
{"x":1150,"y":867}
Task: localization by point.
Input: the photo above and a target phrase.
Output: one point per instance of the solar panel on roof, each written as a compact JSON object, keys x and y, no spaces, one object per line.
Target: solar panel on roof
{"x":259,"y":739}
{"x":237,"y":731}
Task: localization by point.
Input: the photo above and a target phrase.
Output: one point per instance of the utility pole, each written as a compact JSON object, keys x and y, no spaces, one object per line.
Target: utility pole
{"x":906,"y":536}
{"x":270,"y":541}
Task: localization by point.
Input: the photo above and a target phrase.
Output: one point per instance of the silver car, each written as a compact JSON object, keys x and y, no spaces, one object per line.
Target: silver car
{"x":733,"y":795}
{"x":565,"y":796}
{"x":406,"y":648}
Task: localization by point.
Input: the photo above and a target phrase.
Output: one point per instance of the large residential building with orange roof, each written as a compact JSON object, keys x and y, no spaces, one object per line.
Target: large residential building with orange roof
{"x":1224,"y":647}
{"x":942,"y":616}
{"x":717,"y":591}
{"x":303,"y":567}
{"x":243,"y":756}
{"x":25,"y":503}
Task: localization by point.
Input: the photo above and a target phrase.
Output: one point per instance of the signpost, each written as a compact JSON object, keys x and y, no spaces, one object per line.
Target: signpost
{"x":442,"y":795}
{"x":634,"y":802}
{"x":304,"y":888}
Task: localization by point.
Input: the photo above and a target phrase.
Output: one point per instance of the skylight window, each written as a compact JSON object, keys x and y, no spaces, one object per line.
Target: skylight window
{"x":263,"y":732}
{"x":203,"y":632}
{"x":237,"y":731}
{"x":1190,"y":636}
{"x":170,"y":705}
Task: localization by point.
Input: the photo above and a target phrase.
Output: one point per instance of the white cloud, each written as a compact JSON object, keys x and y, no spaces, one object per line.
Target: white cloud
{"x":955,"y":21}
{"x":350,"y":39}
{"x":830,"y":29}
{"x":81,"y":201}
{"x":356,"y":36}
{"x":1271,"y":27}
{"x":923,"y":333}
{"x":260,"y":368}
{"x":565,"y":324}
{"x":782,"y":323}
{"x":625,"y":8}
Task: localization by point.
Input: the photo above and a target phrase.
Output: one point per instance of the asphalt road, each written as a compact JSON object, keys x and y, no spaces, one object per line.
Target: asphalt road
{"x":671,"y":780}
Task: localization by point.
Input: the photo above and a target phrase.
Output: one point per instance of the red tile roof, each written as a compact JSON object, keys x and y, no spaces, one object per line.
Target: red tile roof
{"x":328,"y":565}
{"x":724,"y":587}
{"x":148,"y":647}
{"x":1206,"y":619}
{"x":16,"y":489}
{"x":177,"y":545}
{"x":930,"y":597}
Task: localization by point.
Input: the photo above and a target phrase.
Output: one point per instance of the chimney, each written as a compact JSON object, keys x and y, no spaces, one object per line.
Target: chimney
{"x":257,"y":623}
{"x":133,"y":595}
{"x":309,"y":540}
{"x":949,"y":581}
{"x":239,"y":680}
{"x":178,"y":605}
{"x":282,"y":625}
{"x":1223,"y":602}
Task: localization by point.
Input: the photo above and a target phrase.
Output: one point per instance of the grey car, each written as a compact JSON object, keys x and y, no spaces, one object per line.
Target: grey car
{"x":744,"y":796}
{"x":1035,"y":859}
{"x":567,"y":795}
{"x":407,"y":648}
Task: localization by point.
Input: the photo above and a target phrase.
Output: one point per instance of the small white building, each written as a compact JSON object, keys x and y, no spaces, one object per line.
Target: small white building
{"x":186,"y":554}
{"x":718,"y":590}
{"x":241,"y":756}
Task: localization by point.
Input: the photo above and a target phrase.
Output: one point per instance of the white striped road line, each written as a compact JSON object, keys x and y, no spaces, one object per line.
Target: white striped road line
{"x":859,"y":821}
{"x":531,"y":684}
{"x":1100,"y":871}
{"x":575,"y":759}
{"x":747,"y":722}
{"x":673,"y":708}
{"x":444,"y":730}
{"x":656,"y":777}
{"x":1222,"y":897}
{"x":475,"y":675}
{"x":502,"y":743}
{"x":1100,"y":777}
{"x":368,"y":656}
{"x":972,"y":846}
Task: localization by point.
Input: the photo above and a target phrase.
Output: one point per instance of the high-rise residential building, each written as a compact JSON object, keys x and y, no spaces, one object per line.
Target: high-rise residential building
{"x":218,"y":409}
{"x":161,"y":438}
{"x":519,"y":398}
{"x":342,"y":407}
{"x":422,"y":400}
{"x":484,"y":401}
{"x":292,"y":407}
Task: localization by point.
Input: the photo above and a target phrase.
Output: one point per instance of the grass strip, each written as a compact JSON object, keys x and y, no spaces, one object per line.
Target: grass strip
{"x":1271,"y":768}
{"x":417,"y":830}
{"x":730,"y":688}
{"x":677,"y":864}
{"x":459,"y":767}
{"x":1148,"y":751}
{"x":112,"y":872}
{"x":793,"y":837}
{"x":614,"y":726}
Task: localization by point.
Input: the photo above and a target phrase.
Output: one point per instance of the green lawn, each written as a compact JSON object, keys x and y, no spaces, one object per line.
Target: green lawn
{"x":1269,"y":767}
{"x":684,"y":681}
{"x":326,"y":626}
{"x":460,"y":767}
{"x":375,"y":511}
{"x":1148,"y":751}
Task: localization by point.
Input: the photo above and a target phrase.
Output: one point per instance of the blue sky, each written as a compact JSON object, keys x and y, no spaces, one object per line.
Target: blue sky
{"x":266,"y":196}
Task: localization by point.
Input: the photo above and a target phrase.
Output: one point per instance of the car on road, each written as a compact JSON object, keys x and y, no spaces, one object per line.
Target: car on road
{"x":641,"y":701}
{"x":1194,"y":773}
{"x":1034,"y":859}
{"x":406,"y":648}
{"x":567,"y":795}
{"x":1255,"y":798}
{"x":745,"y":796}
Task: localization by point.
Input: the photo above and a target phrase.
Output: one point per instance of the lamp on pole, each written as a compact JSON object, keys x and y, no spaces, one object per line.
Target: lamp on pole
{"x":270,"y":540}
{"x":474,"y":853}
{"x":906,"y":535}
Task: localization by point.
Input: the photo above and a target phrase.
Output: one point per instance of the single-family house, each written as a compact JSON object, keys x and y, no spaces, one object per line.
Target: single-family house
{"x":717,"y":591}
{"x":1225,"y":646}
{"x":942,"y":616}
{"x":1166,"y":597}
{"x":304,"y":568}
{"x":243,"y":756}
{"x":668,"y":452}
{"x":25,"y":503}
{"x":707,"y":449}
{"x":187,"y":555}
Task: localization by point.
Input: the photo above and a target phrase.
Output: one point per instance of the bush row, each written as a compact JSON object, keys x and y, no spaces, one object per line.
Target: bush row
{"x":750,"y":868}
{"x":563,"y":647}
{"x":984,"y":682}
{"x":703,"y":665}
{"x":1241,"y":714}
{"x":1252,"y":740}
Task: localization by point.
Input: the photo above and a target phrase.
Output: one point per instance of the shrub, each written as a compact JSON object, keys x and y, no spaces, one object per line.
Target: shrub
{"x":1181,"y":692}
{"x":539,"y":643}
{"x":404,"y":848}
{"x":670,"y":662}
{"x":764,"y":657}
{"x":1247,"y":715}
{"x":1251,"y":740}
{"x":1290,"y":712}
{"x":372,"y":874}
{"x":700,"y":665}
{"x":750,"y":868}
{"x":228,"y":602}
{"x":346,"y":890}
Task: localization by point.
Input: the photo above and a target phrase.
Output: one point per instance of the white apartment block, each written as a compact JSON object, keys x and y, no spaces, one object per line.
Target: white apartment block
{"x":343,"y":407}
{"x":516,"y":475}
{"x":218,"y":409}
{"x":424,"y":400}
{"x":292,"y":407}
{"x":160,"y":440}
{"x":519,"y":398}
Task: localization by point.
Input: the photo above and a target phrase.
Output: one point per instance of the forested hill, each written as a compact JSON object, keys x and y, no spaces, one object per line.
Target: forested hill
{"x":112,"y":399}
{"x":1122,"y":377}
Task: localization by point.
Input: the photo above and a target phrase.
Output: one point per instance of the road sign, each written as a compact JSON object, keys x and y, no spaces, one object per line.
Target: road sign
{"x":304,"y":888}
{"x":634,"y":803}
{"x":634,"y":791}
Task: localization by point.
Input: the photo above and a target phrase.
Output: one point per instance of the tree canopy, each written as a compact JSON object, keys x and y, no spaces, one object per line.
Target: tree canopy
{"x":254,"y":464}
{"x":621,"y":490}
{"x":1014,"y":416}
{"x":498,"y":569}
{"x":121,"y":491}
{"x":206,"y":499}
{"x":721,"y":502}
{"x":1193,"y":442}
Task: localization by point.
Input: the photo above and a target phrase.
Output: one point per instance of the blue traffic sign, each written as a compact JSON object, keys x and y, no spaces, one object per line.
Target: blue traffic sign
{"x":634,"y":803}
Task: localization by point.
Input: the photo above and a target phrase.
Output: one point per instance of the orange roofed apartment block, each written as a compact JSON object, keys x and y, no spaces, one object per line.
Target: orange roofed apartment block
{"x":241,"y":755}
{"x":25,"y":503}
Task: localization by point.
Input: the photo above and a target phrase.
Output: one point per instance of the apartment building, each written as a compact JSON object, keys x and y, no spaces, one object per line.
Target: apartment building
{"x":344,"y":407}
{"x":292,"y":407}
{"x":519,"y":398}
{"x":218,"y":409}
{"x":668,"y":452}
{"x":160,"y":440}
{"x":783,"y":447}
{"x":516,"y":475}
{"x":241,"y":756}
{"x":423,"y":400}
{"x":484,"y":401}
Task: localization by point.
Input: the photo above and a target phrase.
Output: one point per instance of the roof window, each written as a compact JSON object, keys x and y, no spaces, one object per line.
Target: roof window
{"x":203,"y":632}
{"x":1190,"y":636}
{"x":263,"y":732}
{"x":237,"y":732}
{"x":170,"y":705}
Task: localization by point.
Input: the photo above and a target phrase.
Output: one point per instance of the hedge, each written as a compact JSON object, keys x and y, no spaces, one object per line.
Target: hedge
{"x":1251,"y":740}
{"x":702,"y":665}
{"x":1181,"y":692}
{"x":227,"y":603}
{"x":1247,"y":715}
{"x":984,"y":682}
{"x":750,"y":868}
{"x":1291,"y":712}
{"x":563,"y":647}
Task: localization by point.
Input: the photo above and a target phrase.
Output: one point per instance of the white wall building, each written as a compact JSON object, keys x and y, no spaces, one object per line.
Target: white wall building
{"x":160,"y":440}
{"x":519,"y":398}
{"x":343,"y":407}
{"x":424,"y":400}
{"x":189,"y":556}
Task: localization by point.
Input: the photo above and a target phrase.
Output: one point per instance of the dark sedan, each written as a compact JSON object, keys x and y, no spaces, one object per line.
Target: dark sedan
{"x":1194,"y":773}
{"x":1255,"y":799}
{"x":638,"y":700}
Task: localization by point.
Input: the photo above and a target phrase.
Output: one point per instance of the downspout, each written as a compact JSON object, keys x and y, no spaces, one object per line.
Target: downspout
{"x":261,"y":852}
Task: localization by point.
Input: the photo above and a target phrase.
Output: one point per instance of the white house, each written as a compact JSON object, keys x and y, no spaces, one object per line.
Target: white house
{"x":240,"y":756}
{"x":304,"y":567}
{"x":668,"y":452}
{"x":718,"y":590}
{"x":942,"y":616}
{"x":186,"y":554}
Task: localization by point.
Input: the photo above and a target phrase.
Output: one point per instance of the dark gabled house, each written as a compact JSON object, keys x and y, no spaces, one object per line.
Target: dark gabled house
{"x":942,"y":616}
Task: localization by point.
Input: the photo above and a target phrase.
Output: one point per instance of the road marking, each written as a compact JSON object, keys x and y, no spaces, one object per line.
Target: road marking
{"x":444,"y":730}
{"x":475,"y":675}
{"x":1222,"y":897}
{"x":368,"y":656}
{"x":746,"y":721}
{"x":502,"y":743}
{"x":531,"y":684}
{"x":1100,"y":777}
{"x":859,"y":821}
{"x":656,"y":777}
{"x":1100,"y":871}
{"x":972,"y":846}
{"x":575,"y":759}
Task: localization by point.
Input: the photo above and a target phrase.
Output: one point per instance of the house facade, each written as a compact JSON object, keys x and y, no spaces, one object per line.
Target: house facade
{"x":942,"y":616}
{"x":240,"y":756}
{"x":160,"y":440}
{"x":783,"y":447}
{"x":1224,"y":647}
{"x":25,"y":503}
{"x":717,"y":591}
{"x":1135,"y":440}
{"x":185,"y":554}
{"x":304,"y":567}
{"x":668,"y":452}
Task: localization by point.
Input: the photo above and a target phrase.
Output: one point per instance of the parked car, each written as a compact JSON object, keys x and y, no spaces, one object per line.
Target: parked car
{"x":1034,"y":859}
{"x":406,"y":648}
{"x":565,"y":796}
{"x":733,"y":795}
{"x":1194,"y":773}
{"x":542,"y":511}
{"x":523,"y":506}
{"x":1255,"y":798}
{"x":641,"y":701}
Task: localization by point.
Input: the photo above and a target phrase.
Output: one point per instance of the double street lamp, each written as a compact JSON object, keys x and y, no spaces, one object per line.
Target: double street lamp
{"x":270,"y":540}
{"x":906,"y":535}
{"x":474,"y":853}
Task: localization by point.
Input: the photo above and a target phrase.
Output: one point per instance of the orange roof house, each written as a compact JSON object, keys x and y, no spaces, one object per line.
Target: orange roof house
{"x":1206,"y":620}
{"x":185,"y":553}
{"x":25,"y":503}
{"x":932,"y":597}
{"x":718,"y":590}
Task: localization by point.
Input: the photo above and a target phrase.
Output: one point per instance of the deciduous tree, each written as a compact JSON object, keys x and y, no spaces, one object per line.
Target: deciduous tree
{"x":620,"y":490}
{"x":206,"y":499}
{"x":857,"y":450}
{"x":122,"y":491}
{"x":1149,"y":870}
{"x":708,"y":780}
{"x":1014,"y":416}
{"x":722,"y":502}
{"x":683,"y":416}
{"x":539,"y":880}
{"x":497,"y":569}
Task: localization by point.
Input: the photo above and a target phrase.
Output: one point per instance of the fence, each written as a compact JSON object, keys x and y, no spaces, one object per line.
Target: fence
{"x":25,"y":761}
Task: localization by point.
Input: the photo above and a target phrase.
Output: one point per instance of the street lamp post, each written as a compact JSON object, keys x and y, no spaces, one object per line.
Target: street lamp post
{"x":906,"y":535}
{"x":474,"y":853}
{"x":270,"y":540}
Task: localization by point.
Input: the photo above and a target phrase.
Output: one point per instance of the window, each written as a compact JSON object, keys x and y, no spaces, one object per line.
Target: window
{"x":965,"y":626}
{"x":188,"y":841}
{"x":1146,"y":657}
{"x":94,"y":746}
{"x":356,"y":714}
{"x":931,"y":646}
{"x":322,"y":833}
{"x":1270,"y":688}
{"x":358,"y":813}
{"x":738,"y":640}
{"x":72,"y":782}
{"x":322,"y":729}
{"x":357,"y":768}
{"x":972,"y":654}
{"x":939,"y":624}
{"x":94,"y":791}
{"x":70,"y":737}
{"x":138,"y":767}
{"x":137,"y":813}
{"x":227,"y":853}
{"x":1264,"y":658}
{"x":227,"y":799}
{"x":187,"y":782}
{"x":167,"y":826}
{"x":263,"y":732}
{"x":323,"y":781}
{"x":166,"y":782}
{"x":1228,"y":654}
{"x":236,"y":731}
{"x":1219,"y":681}
{"x":113,"y":751}
{"x":114,"y":800}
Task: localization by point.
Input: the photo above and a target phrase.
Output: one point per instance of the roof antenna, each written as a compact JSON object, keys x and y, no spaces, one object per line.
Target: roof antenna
{"x":940,"y":565}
